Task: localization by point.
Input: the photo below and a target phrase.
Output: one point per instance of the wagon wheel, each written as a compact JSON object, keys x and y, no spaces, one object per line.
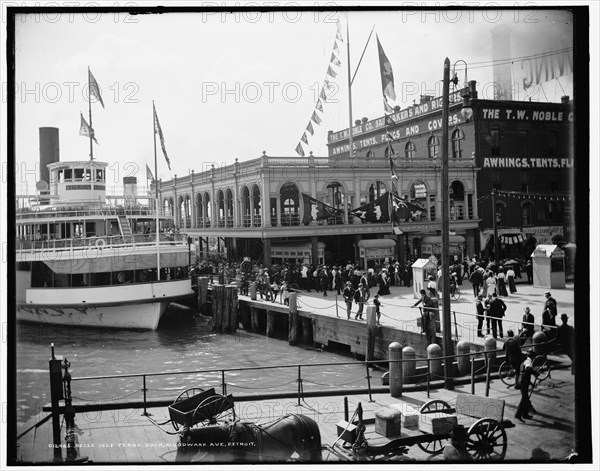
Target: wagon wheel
{"x":433,"y":447}
{"x":487,"y":440}
{"x":185,"y":395}
{"x":212,"y":410}
{"x":541,"y":366}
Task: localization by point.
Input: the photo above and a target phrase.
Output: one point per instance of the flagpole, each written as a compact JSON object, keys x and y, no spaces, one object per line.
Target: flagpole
{"x":90,"y":116}
{"x":156,"y":192}
{"x":349,"y":87}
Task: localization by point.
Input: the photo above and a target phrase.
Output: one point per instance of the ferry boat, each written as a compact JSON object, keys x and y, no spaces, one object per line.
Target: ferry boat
{"x":83,"y":261}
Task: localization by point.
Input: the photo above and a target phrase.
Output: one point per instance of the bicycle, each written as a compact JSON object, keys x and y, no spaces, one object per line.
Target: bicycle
{"x":541,"y":367}
{"x":507,"y":374}
{"x":454,"y":291}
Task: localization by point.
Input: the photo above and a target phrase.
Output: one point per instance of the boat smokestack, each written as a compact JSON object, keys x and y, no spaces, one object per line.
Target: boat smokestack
{"x":130,"y":190}
{"x":49,"y":151}
{"x":502,"y":72}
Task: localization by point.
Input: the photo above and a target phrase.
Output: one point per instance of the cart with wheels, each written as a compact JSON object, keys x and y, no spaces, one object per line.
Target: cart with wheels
{"x":486,"y":440}
{"x":199,"y":407}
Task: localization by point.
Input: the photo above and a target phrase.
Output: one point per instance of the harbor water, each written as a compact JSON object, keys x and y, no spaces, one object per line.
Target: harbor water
{"x":184,"y":342}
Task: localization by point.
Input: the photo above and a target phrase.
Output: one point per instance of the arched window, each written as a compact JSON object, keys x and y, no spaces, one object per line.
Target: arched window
{"x":433,"y":147}
{"x":256,"y":206}
{"x":220,"y":209}
{"x":376,"y":190}
{"x":409,"y":150}
{"x":457,"y":200}
{"x":246,"y":207}
{"x":290,"y":205}
{"x":526,"y":213}
{"x":336,"y":198}
{"x":228,"y":208}
{"x":418,"y":194}
{"x":370,"y":155}
{"x":457,"y":143}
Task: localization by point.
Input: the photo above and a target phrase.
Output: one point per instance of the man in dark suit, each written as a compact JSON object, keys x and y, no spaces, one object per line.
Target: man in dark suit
{"x":476,"y":279}
{"x":480,"y":316}
{"x":496,"y":311}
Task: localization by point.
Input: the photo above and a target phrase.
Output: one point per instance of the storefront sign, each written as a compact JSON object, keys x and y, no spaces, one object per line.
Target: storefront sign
{"x":420,"y":190}
{"x":526,"y":162}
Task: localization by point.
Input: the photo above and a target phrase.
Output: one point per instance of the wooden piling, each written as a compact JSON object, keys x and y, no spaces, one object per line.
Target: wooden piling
{"x":307,"y":331}
{"x":371,"y":332}
{"x":293,"y":320}
{"x":218,"y":292}
{"x":202,"y":284}
{"x":232,"y":292}
{"x":226,"y":310}
{"x":254,"y":319}
{"x":244,"y":315}
{"x":270,"y":324}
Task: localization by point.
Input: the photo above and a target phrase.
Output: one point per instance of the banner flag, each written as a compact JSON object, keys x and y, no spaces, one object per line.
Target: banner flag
{"x":322,"y":94}
{"x":158,"y":130}
{"x":315,"y":118}
{"x":335,"y":46}
{"x":304,"y":138}
{"x":94,"y":88}
{"x":319,"y":106}
{"x":334,"y":60}
{"x":315,"y":210}
{"x":377,"y":211}
{"x":331,"y":72}
{"x":309,"y":128}
{"x":299,"y":150}
{"x":404,"y":210}
{"x":387,"y":76}
{"x":85,"y":130}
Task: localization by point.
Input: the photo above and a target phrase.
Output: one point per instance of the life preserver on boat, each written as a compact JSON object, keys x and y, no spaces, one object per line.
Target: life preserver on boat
{"x":100,"y":243}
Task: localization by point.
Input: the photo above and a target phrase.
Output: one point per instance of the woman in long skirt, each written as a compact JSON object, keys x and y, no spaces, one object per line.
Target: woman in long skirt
{"x":384,"y":283}
{"x":501,"y":280}
{"x":510,"y":277}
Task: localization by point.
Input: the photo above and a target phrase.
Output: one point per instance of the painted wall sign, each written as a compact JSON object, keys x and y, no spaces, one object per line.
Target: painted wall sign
{"x":526,"y":162}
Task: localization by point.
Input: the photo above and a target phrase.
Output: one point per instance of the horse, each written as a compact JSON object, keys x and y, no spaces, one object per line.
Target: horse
{"x":249,"y":442}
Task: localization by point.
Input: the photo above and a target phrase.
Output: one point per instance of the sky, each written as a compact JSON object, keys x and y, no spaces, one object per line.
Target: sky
{"x":232,"y":85}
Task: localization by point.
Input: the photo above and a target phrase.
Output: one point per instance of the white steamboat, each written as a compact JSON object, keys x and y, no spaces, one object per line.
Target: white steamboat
{"x":82,"y":261}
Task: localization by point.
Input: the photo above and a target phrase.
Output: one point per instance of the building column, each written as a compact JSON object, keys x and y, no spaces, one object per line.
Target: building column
{"x":267,"y":251}
{"x":314,"y":247}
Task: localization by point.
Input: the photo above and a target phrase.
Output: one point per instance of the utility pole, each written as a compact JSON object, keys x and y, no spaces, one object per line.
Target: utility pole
{"x":446,"y":319}
{"x":495,"y":216}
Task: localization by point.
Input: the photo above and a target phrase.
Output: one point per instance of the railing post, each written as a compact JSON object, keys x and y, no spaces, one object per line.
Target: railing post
{"x":472,"y":374}
{"x":428,"y":375}
{"x":299,"y":383}
{"x":487,"y":375}
{"x":144,"y":389}
{"x":56,"y":394}
{"x":223,"y":383}
{"x":369,"y":382}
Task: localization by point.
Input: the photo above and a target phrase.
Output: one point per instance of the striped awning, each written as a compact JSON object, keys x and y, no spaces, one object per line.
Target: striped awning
{"x":511,"y":239}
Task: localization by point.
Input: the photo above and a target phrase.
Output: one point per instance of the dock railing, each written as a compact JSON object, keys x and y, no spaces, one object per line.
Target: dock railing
{"x":427,"y":373}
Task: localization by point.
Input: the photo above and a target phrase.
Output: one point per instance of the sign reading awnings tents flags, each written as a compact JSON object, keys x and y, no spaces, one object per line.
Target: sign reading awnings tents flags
{"x":86,"y":129}
{"x":334,"y":61}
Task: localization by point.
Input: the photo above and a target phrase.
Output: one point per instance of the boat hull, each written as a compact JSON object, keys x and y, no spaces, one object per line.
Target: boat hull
{"x":135,"y":306}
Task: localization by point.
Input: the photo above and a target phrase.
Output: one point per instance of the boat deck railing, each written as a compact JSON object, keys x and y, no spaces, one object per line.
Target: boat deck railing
{"x":84,"y":211}
{"x":99,"y":242}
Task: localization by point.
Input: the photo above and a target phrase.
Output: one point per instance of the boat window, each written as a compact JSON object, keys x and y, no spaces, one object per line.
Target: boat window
{"x":99,"y":175}
{"x":61,"y":175}
{"x":68,"y":174}
{"x":78,"y":174}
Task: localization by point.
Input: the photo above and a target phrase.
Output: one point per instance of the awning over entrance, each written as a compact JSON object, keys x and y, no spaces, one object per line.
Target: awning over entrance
{"x":507,"y":236}
{"x":453,"y":239}
{"x":511,"y":239}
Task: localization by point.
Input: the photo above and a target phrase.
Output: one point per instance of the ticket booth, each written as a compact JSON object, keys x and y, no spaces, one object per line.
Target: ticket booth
{"x":548,"y":266}
{"x":422,"y":269}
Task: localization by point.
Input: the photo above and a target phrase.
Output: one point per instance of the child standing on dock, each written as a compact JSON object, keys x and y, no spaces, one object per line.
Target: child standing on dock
{"x":285,"y":293}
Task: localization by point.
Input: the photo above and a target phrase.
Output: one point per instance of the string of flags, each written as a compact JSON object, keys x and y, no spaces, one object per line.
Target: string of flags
{"x":533,"y":196}
{"x":86,"y":129}
{"x":334,"y":61}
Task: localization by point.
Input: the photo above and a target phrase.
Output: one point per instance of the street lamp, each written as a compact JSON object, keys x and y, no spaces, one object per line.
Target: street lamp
{"x":466,"y":111}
